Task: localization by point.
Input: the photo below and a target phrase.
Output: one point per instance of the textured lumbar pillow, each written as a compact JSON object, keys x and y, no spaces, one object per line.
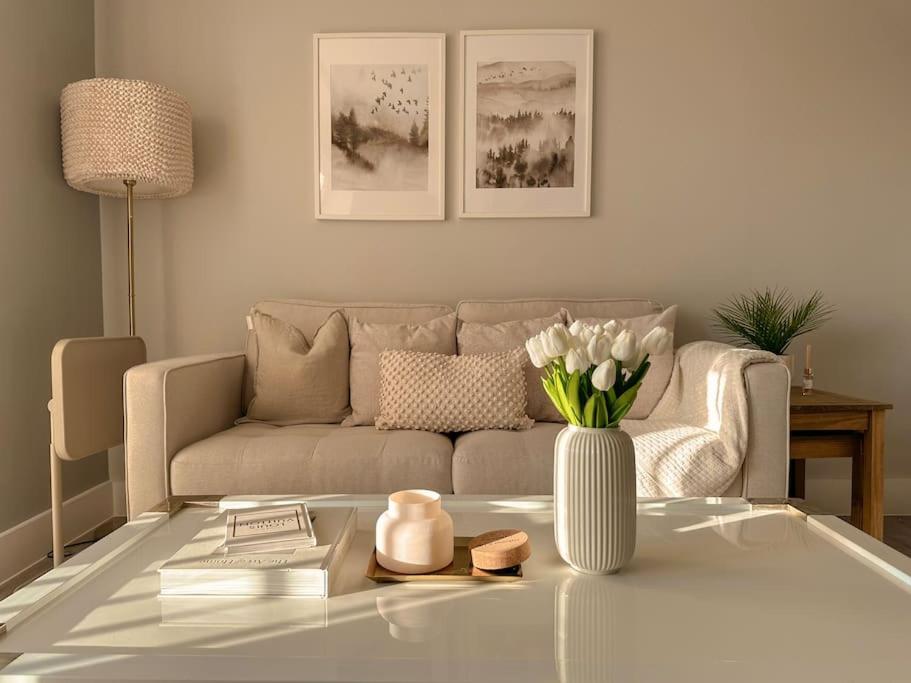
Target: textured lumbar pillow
{"x":298,"y":381}
{"x":477,"y":338}
{"x":369,"y":339}
{"x":659,"y":374}
{"x":441,"y":393}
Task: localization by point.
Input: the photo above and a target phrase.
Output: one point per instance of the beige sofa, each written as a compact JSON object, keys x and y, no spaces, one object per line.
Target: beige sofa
{"x":181,"y":437}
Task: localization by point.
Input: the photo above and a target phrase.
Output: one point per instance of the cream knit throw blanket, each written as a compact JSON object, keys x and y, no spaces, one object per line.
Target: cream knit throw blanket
{"x":695,"y":440}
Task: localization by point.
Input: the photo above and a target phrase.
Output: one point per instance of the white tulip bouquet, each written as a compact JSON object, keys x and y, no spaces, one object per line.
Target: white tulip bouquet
{"x":593,"y":372}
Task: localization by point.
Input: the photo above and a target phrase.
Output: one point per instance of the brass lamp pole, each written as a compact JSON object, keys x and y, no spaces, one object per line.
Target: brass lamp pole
{"x":130,"y":184}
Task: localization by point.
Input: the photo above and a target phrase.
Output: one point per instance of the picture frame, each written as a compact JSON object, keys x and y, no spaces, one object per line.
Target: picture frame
{"x":379,"y":110}
{"x":525,"y":98}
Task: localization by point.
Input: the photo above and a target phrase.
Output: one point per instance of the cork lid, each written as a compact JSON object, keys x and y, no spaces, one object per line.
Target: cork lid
{"x":499,"y":549}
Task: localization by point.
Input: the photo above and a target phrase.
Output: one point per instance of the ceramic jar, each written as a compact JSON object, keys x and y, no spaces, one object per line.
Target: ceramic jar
{"x":595,"y":498}
{"x":414,"y":536}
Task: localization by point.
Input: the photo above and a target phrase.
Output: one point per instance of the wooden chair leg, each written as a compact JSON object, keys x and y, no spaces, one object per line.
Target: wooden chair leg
{"x":57,"y":506}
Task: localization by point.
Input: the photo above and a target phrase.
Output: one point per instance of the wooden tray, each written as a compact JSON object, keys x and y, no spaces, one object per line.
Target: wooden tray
{"x":461,"y":569}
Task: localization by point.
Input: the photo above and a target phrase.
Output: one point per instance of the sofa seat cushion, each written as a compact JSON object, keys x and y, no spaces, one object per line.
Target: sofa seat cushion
{"x":259,"y":459}
{"x":521,"y":463}
{"x":505,"y":462}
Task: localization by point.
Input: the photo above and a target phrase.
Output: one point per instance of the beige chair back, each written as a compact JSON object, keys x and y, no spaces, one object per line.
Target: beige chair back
{"x":87,"y":392}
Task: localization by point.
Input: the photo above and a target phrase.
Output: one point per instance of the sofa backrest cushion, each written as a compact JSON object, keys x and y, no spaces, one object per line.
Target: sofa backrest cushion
{"x":307,"y":316}
{"x":368,"y":340}
{"x":477,"y":338}
{"x":298,"y":382}
{"x":499,"y":311}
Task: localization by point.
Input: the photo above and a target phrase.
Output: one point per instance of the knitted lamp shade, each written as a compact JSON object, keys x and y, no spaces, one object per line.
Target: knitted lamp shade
{"x":115,"y":129}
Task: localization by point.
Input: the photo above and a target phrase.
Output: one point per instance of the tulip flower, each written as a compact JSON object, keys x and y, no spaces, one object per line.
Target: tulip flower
{"x":599,"y":348}
{"x":536,"y":352}
{"x":577,"y":359}
{"x":624,"y":347}
{"x":634,"y":362}
{"x":560,"y":332}
{"x":553,"y":343}
{"x":612,"y":327}
{"x":657,"y":342}
{"x":589,"y":360}
{"x":604,"y":375}
{"x":586,"y":335}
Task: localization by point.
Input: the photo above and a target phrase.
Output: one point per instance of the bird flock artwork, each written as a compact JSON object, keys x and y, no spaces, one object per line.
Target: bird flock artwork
{"x":525,"y":124}
{"x":380,"y":126}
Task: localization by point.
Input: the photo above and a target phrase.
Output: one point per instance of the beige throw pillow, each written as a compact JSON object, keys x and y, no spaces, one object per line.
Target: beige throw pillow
{"x":442,"y":393}
{"x":659,"y":374}
{"x":369,"y":339}
{"x":477,"y":338}
{"x":297,"y":381}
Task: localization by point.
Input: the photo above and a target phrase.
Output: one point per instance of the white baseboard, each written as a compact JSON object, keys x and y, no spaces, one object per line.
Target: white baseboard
{"x":834,"y":495}
{"x":27,"y":543}
{"x":118,"y":491}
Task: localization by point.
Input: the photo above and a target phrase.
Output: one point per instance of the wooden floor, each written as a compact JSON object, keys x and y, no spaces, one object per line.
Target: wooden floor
{"x":26,"y":577}
{"x":898,"y":534}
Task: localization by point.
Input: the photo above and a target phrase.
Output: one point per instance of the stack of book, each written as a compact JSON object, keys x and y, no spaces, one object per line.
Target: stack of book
{"x":283,"y":563}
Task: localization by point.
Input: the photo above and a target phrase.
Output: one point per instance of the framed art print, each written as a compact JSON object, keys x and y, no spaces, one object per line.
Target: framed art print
{"x":526,"y":122}
{"x":379,"y":109}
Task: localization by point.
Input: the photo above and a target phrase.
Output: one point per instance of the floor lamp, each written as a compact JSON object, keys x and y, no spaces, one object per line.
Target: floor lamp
{"x":126,"y":138}
{"x":120,"y":138}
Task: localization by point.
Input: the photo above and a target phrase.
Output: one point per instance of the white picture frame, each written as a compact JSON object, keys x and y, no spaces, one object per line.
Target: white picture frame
{"x":368,"y":165}
{"x":558,"y":57}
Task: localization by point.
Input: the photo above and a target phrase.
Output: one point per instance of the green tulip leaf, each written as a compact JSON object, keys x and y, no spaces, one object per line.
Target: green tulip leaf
{"x":619,"y":415}
{"x":623,"y":405}
{"x":588,"y":414}
{"x":639,"y":374}
{"x":550,"y":390}
{"x":561,"y":392}
{"x":572,"y":396}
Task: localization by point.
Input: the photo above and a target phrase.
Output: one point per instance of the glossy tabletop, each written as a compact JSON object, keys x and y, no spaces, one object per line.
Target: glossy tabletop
{"x":719,"y":590}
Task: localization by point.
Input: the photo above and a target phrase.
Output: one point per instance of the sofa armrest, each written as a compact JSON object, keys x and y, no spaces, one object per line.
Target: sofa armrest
{"x":171,"y":404}
{"x":765,"y":468}
{"x":743,"y":396}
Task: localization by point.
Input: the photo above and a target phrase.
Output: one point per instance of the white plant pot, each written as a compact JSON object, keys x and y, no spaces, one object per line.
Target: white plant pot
{"x":595,"y":498}
{"x":414,"y":536}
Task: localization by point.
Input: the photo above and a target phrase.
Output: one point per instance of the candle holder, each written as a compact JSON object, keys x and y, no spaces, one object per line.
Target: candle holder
{"x":807,"y":382}
{"x":808,"y":372}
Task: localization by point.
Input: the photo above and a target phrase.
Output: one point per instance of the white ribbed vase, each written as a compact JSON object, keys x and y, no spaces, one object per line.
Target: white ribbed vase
{"x":595,"y":498}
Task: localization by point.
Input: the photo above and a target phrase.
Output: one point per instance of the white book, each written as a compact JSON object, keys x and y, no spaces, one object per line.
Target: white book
{"x":283,"y":527}
{"x":202,"y":567}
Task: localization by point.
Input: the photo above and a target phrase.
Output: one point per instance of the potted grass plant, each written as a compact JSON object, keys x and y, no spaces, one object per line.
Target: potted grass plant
{"x":770,"y":320}
{"x":592,"y":376}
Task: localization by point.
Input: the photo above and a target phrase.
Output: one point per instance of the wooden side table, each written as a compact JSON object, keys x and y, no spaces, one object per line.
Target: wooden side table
{"x":827,"y":425}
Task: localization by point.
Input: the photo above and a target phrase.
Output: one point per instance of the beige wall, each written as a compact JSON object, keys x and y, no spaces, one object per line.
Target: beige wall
{"x":737,"y":144}
{"x":50,"y":259}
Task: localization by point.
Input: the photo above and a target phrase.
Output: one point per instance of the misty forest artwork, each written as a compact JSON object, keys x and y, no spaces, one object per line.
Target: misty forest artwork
{"x":525,"y":124}
{"x":380,"y":126}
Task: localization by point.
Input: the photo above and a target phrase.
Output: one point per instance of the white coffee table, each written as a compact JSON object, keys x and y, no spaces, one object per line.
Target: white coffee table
{"x":719,"y":590}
